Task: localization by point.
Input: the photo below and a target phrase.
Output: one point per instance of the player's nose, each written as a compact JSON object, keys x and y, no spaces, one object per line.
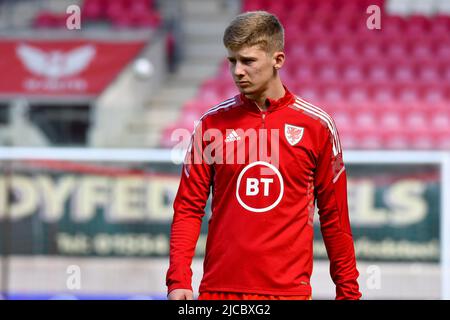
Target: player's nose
{"x":238,"y":70}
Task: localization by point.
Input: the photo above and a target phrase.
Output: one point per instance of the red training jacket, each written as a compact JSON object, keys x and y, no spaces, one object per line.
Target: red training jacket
{"x":265,"y":169}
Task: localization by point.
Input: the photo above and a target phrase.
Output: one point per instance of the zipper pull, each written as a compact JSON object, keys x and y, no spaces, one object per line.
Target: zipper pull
{"x":263,"y":115}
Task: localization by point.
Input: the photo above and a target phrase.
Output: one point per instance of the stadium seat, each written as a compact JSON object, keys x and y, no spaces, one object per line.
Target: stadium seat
{"x":391,"y":121}
{"x":422,"y":141}
{"x":46,"y":19}
{"x":93,"y":9}
{"x":370,"y":141}
{"x":442,"y":141}
{"x":440,"y":120}
{"x":418,"y":121}
{"x":349,"y":140}
{"x":395,"y":140}
{"x":378,"y":73}
{"x":416,"y":25}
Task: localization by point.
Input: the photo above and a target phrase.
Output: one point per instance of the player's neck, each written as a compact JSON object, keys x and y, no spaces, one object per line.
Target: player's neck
{"x":275,"y":91}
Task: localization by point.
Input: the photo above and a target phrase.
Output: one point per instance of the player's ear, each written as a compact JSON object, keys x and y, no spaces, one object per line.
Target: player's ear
{"x":278,"y":59}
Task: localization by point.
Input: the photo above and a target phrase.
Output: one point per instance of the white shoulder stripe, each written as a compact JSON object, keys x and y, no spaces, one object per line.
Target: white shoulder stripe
{"x":335,"y":143}
{"x":301,"y":101}
{"x":222,"y":105}
{"x":225,"y":104}
{"x":319,"y":110}
{"x":333,"y":124}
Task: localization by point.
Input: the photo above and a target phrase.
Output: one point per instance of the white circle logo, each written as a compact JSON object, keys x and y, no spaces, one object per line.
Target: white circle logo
{"x":259,"y":187}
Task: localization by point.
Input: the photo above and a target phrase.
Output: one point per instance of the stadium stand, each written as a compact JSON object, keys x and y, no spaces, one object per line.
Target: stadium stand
{"x":31,"y":117}
{"x":378,"y":84}
{"x":120,"y":14}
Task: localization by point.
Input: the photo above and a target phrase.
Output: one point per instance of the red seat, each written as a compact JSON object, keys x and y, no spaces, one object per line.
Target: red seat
{"x":333,"y":93}
{"x":251,"y":5}
{"x":323,"y":51}
{"x":45,"y":19}
{"x":346,"y":48}
{"x":277,"y":8}
{"x":140,"y":5}
{"x":422,"y":141}
{"x":440,"y":120}
{"x":403,"y":73}
{"x":429,"y":73}
{"x":310,"y":93}
{"x":395,"y":140}
{"x":416,"y":25}
{"x":301,"y":7}
{"x":393,"y":25}
{"x":439,"y":26}
{"x":443,"y":50}
{"x":151,"y":19}
{"x":383,"y":93}
{"x":343,"y":119}
{"x":370,"y":50}
{"x":366,"y":120}
{"x":408,"y":94}
{"x":328,"y":72}
{"x":299,"y":52}
{"x":396,"y":50}
{"x":122,"y":21}
{"x":446,"y":73}
{"x":417,"y":121}
{"x":434,"y":93}
{"x":93,"y":9}
{"x":353,"y":72}
{"x":115,"y":10}
{"x":349,"y":140}
{"x":421,"y":49}
{"x":370,"y":141}
{"x":391,"y":121}
{"x":305,"y":73}
{"x":358,"y":93}
{"x":442,"y":140}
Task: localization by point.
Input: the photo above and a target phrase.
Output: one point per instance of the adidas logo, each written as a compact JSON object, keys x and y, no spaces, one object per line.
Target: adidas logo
{"x":233,"y":136}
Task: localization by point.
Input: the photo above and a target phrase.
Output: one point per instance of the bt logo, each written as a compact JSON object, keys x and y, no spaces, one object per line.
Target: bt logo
{"x":259,"y":187}
{"x":253,"y":186}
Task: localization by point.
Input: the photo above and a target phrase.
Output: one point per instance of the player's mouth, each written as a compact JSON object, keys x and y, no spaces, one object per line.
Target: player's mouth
{"x":243,"y":83}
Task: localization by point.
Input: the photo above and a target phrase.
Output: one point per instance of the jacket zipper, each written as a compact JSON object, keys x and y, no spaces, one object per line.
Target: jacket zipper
{"x":263,"y":116}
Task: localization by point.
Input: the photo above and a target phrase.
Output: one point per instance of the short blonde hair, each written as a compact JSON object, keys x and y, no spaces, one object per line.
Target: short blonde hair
{"x":255,"y":28}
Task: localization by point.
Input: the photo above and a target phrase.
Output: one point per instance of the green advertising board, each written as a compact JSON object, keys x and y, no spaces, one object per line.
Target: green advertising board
{"x":125,"y":209}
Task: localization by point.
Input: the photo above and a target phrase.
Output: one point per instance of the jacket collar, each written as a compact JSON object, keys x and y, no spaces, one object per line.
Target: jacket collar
{"x":272,"y":105}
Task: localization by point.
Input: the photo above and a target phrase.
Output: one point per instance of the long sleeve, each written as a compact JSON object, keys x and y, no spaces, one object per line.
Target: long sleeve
{"x":189,"y":209}
{"x":331,"y":195}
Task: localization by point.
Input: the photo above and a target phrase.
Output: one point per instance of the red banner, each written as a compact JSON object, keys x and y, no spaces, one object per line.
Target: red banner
{"x":60,"y":68}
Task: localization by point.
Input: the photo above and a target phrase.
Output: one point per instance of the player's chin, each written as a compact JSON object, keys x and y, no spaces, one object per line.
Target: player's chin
{"x":246,"y":89}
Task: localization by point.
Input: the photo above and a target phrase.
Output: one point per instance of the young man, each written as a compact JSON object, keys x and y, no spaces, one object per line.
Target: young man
{"x":260,"y":237}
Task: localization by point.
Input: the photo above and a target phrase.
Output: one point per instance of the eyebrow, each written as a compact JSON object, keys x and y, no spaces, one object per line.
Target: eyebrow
{"x":242,"y":58}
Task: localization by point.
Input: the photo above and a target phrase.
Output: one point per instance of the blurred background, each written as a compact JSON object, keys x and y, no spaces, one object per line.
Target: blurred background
{"x":92,"y":91}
